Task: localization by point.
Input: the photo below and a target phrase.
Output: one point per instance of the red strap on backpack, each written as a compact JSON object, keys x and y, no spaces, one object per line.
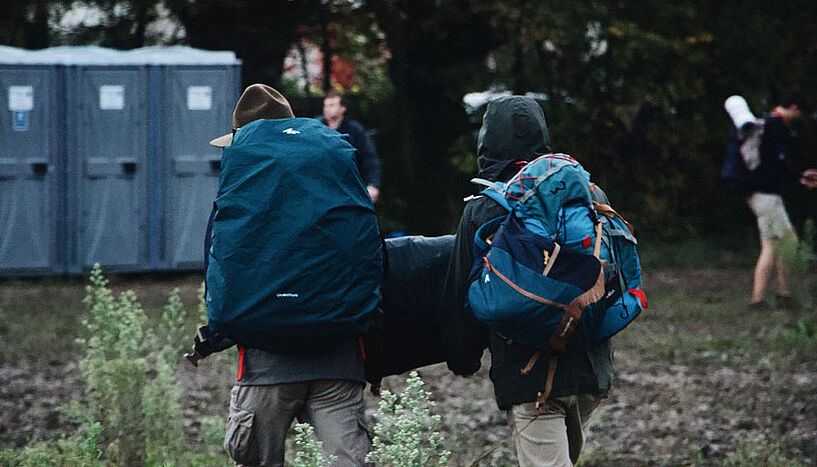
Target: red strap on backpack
{"x":362,"y":346}
{"x":240,"y":363}
{"x":640,"y":295}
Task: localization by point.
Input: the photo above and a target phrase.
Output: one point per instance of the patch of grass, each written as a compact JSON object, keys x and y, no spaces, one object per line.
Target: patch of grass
{"x":752,"y":453}
{"x":735,"y":250}
{"x":213,"y":430}
{"x":695,"y":316}
{"x":39,"y":325}
{"x":79,"y":449}
{"x":39,"y":318}
{"x":801,"y":337}
{"x":601,"y":457}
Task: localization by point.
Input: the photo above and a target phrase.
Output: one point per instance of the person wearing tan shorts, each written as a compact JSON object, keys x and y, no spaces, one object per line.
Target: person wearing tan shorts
{"x":774,"y":225}
{"x":770,"y":179}
{"x":772,"y":219}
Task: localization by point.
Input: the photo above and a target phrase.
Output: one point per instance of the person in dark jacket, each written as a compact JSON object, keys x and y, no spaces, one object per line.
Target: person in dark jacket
{"x":334,"y":116}
{"x":272,"y":389}
{"x":514,"y":132}
{"x":766,"y":201}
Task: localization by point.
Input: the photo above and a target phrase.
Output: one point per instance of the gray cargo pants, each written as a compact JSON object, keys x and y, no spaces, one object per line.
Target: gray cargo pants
{"x":260,"y":417}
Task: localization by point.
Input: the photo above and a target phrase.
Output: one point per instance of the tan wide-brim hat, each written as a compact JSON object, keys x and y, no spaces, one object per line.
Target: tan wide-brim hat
{"x":257,"y":102}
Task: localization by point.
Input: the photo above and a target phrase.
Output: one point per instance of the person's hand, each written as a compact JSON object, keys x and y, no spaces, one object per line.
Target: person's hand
{"x":374,"y":192}
{"x":808,"y":178}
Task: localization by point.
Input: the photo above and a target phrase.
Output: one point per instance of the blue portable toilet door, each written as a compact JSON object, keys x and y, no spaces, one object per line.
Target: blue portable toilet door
{"x":29,"y":170}
{"x":197,"y":107}
{"x":110,"y":126}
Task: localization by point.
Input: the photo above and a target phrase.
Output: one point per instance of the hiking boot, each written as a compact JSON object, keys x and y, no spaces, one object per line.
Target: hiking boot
{"x":759,"y":306}
{"x":787,"y":302}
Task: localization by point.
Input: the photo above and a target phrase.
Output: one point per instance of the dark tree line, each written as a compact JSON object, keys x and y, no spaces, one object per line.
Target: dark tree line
{"x":634,"y":88}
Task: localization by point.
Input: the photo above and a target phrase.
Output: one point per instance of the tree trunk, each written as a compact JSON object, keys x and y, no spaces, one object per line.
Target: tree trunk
{"x":326,"y":48}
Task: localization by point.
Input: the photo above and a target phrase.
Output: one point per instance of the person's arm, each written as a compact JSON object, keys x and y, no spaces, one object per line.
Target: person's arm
{"x":463,"y":337}
{"x":368,"y":161}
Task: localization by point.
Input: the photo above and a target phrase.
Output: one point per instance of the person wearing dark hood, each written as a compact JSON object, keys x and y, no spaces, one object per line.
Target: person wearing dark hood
{"x":514,"y":132}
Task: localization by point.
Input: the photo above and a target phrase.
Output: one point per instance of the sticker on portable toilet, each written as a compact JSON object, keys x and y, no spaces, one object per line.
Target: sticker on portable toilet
{"x":21,"y":98}
{"x":199,"y":98}
{"x":20,"y":120}
{"x":111,"y":97}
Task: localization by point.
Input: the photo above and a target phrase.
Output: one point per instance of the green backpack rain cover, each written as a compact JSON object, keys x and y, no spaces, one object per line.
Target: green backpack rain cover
{"x":295,"y":264}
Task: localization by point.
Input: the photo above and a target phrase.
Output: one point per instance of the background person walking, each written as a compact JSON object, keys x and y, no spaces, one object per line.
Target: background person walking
{"x":768,"y":180}
{"x":334,"y":116}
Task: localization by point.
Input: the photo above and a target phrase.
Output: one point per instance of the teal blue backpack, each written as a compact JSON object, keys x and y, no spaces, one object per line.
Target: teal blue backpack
{"x":296,"y":262}
{"x":560,"y":270}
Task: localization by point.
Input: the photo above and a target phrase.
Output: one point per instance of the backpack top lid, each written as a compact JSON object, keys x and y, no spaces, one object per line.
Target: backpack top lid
{"x":544,"y":186}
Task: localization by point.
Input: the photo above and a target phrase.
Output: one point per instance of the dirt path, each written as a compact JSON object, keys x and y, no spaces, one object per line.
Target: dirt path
{"x":663,"y":410}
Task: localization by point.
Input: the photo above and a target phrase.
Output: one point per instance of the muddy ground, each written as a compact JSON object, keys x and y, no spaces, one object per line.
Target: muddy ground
{"x":681,"y":397}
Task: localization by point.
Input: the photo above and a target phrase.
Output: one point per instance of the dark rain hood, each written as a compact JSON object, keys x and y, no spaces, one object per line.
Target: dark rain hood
{"x":513,"y":130}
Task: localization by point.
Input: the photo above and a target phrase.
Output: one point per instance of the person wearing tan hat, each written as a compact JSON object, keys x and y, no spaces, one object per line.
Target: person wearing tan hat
{"x":272,"y":389}
{"x":258,"y":101}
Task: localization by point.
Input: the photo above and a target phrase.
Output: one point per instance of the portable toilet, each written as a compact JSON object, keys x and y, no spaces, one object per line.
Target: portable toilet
{"x":114,"y":167}
{"x":107,"y":130}
{"x":152,"y":184}
{"x":32,"y":167}
{"x":144,"y":175}
{"x":197,"y":91}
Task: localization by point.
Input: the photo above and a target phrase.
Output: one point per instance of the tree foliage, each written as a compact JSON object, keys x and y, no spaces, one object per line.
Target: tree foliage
{"x":259,"y":31}
{"x":634,"y":89}
{"x":24,"y":23}
{"x":437,"y":51}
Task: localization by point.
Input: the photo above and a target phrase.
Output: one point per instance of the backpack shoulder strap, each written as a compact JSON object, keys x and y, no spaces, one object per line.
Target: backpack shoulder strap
{"x":497,"y":196}
{"x":494,"y":190}
{"x":491,"y":185}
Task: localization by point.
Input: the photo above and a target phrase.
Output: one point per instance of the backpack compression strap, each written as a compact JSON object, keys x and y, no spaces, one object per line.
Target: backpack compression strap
{"x":573,"y":312}
{"x":607,"y":210}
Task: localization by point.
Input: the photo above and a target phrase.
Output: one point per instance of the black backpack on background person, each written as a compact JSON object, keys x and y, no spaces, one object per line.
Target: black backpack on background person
{"x":735,"y":174}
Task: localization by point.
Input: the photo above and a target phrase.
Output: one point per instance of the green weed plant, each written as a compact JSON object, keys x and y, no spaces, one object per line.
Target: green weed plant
{"x":309,"y":450}
{"x":132,"y":415}
{"x":405,"y":434}
{"x":129,"y":375}
{"x":406,"y":430}
{"x":760,"y":453}
{"x":77,"y":450}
